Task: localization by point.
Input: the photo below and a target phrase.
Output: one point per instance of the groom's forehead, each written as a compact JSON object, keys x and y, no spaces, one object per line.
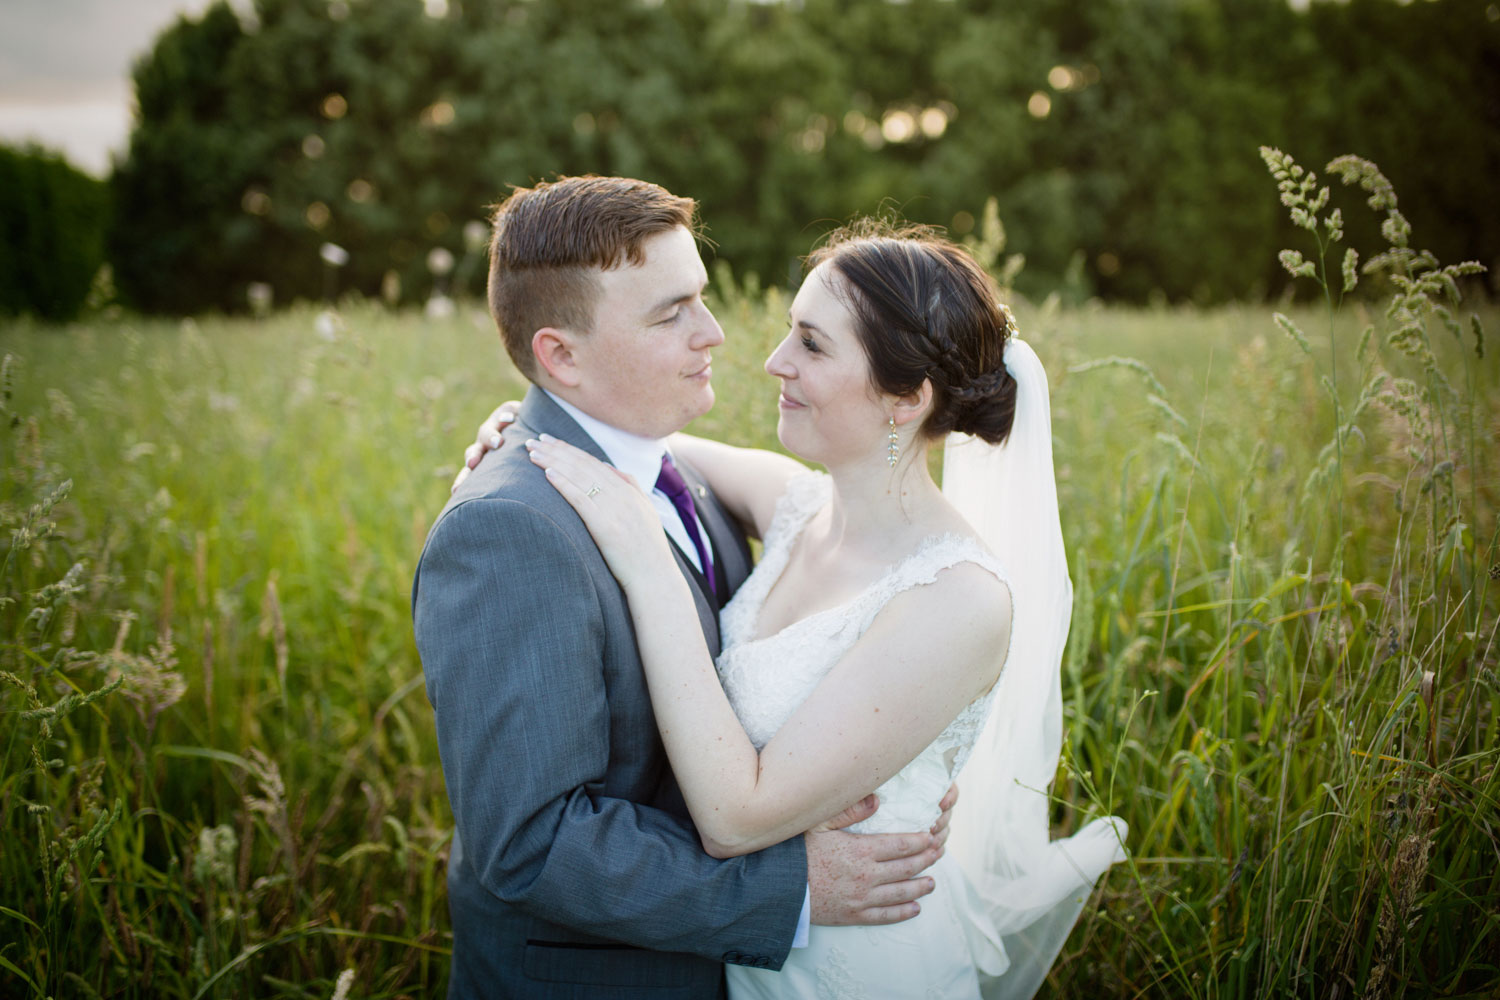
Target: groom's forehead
{"x":672,"y":271}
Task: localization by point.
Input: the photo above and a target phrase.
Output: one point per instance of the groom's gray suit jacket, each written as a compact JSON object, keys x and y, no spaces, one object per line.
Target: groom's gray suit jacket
{"x":575,"y":871}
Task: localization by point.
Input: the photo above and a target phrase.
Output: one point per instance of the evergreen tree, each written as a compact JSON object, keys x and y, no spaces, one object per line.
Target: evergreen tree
{"x":52,"y":222}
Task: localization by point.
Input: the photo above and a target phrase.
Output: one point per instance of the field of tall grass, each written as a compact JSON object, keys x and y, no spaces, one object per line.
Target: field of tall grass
{"x":219,"y":771}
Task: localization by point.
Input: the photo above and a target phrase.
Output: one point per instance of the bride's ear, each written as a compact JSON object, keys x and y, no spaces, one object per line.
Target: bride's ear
{"x":553,"y":350}
{"x":914,"y":405}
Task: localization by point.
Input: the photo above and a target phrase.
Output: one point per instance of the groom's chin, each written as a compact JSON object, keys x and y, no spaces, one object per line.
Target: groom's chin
{"x":703,"y":402}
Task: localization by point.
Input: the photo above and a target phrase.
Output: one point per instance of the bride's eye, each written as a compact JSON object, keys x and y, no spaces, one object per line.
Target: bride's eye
{"x":810,"y":345}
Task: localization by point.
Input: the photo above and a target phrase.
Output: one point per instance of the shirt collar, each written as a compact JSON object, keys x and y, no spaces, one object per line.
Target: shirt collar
{"x":630,"y":453}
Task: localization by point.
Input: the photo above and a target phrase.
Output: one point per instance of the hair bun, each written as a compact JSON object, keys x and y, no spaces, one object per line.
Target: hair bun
{"x":981,"y":387}
{"x":925,"y":311}
{"x":986,"y":406}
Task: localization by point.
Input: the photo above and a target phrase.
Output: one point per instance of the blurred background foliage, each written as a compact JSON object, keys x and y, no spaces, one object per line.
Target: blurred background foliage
{"x":219,"y":777}
{"x":1117,"y":137}
{"x":52,"y":224}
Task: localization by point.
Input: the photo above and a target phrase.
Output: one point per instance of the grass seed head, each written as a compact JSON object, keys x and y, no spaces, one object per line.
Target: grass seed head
{"x":1357,"y":170}
{"x":1296,"y":266}
{"x":213,"y":863}
{"x":1351,"y":269}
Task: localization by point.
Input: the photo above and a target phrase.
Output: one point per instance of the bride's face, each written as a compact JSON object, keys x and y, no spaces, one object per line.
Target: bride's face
{"x":830,"y":411}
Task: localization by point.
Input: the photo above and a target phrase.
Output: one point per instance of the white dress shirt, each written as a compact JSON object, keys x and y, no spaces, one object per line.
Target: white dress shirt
{"x":641,"y":458}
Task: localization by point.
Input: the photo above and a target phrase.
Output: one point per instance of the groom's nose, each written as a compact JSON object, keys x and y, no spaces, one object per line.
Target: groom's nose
{"x":707,"y":332}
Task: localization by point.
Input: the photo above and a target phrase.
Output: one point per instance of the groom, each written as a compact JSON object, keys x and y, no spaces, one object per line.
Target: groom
{"x":575,"y":871}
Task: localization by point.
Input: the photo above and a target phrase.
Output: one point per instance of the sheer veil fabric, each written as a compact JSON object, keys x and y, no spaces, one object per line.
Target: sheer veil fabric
{"x":1031,"y":887}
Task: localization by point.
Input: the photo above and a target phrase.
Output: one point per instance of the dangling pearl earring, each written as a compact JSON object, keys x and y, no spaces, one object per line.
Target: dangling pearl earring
{"x":894,"y":451}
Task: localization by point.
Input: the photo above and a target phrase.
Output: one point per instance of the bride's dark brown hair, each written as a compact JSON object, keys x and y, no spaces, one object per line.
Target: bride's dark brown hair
{"x":925,"y":310}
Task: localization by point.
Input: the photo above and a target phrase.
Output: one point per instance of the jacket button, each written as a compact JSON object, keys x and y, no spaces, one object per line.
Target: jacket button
{"x":732,"y":957}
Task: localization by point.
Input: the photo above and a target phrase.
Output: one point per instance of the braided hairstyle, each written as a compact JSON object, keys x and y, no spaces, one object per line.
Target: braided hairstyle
{"x":925,"y":310}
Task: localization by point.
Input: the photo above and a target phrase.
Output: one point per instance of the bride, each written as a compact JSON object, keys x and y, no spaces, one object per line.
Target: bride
{"x":892,"y":632}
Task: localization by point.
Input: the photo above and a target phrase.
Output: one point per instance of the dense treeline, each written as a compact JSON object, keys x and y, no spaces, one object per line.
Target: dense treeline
{"x":1118,"y":137}
{"x":52,"y":223}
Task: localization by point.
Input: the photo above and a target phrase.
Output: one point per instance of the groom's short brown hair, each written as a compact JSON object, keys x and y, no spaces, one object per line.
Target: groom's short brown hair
{"x":546,"y":240}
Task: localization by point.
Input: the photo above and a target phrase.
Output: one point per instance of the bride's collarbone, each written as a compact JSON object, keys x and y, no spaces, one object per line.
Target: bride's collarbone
{"x":794,"y":598}
{"x":818,"y":578}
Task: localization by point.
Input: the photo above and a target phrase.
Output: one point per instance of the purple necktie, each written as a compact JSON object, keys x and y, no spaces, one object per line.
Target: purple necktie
{"x":671,"y":483}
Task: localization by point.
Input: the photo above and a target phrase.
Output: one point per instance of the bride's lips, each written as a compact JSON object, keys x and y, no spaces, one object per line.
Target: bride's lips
{"x":702,"y":374}
{"x":787,"y":403}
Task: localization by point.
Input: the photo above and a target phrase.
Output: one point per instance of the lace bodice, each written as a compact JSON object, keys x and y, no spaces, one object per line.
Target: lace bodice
{"x":769,"y":677}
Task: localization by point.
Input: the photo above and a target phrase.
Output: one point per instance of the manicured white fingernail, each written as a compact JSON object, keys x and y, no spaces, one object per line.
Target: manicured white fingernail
{"x":531,"y":443}
{"x":494,"y":440}
{"x":548,"y":437}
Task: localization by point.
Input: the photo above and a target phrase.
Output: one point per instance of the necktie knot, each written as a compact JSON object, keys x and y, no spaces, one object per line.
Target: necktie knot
{"x":671,"y":483}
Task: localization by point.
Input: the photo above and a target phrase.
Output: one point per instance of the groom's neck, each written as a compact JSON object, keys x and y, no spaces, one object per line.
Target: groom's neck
{"x":589,"y":421}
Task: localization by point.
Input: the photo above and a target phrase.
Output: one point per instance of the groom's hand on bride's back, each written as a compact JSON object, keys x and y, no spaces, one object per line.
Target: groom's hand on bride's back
{"x":871,"y":878}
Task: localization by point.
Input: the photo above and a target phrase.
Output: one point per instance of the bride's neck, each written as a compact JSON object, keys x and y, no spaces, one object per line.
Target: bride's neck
{"x":875,"y":506}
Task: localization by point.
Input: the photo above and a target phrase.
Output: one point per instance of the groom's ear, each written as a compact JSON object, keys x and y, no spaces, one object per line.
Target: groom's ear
{"x":914,"y":405}
{"x":553,"y":350}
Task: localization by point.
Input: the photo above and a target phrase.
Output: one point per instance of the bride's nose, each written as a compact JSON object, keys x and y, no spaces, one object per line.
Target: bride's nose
{"x":777,"y":363}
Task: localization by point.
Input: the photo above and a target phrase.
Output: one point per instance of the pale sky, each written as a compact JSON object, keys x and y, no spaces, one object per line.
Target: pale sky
{"x":65,"y":71}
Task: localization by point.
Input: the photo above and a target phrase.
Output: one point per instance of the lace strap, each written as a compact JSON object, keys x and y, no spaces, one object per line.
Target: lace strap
{"x":922,"y":567}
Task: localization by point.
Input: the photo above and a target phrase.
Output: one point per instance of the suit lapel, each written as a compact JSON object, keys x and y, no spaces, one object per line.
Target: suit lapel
{"x":731,"y":554}
{"x":708,"y":607}
{"x":541,"y":415}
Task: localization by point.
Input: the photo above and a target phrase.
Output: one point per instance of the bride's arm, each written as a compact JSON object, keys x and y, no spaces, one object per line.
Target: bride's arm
{"x":748,"y":481}
{"x":930,"y":652}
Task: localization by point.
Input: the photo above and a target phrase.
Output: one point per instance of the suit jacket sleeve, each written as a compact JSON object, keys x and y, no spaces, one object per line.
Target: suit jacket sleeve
{"x":512,"y":639}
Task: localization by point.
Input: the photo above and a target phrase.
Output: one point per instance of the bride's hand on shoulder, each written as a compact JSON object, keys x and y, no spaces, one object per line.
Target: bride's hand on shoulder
{"x":490,"y":437}
{"x":613,"y":507}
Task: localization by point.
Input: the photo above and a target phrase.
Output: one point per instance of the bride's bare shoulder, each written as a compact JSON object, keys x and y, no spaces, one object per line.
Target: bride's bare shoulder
{"x":954,"y":625}
{"x":975,"y":589}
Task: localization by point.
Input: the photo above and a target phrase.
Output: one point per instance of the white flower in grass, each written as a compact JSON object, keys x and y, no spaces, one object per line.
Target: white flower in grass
{"x":215,"y":858}
{"x":328,"y":324}
{"x":390,"y":287}
{"x":438,"y":307}
{"x":333,"y":255}
{"x":259,"y":294}
{"x":439,"y":260}
{"x":476,"y":235}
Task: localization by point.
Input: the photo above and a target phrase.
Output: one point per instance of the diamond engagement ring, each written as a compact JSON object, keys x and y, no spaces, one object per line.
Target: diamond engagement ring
{"x":592,"y":491}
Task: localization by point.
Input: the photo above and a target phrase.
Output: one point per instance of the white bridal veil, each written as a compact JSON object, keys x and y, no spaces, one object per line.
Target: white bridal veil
{"x":1032,"y":887}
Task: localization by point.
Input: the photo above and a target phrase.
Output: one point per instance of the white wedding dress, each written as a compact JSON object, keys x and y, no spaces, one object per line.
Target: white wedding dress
{"x":939,"y":953}
{"x":1007,"y":894}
